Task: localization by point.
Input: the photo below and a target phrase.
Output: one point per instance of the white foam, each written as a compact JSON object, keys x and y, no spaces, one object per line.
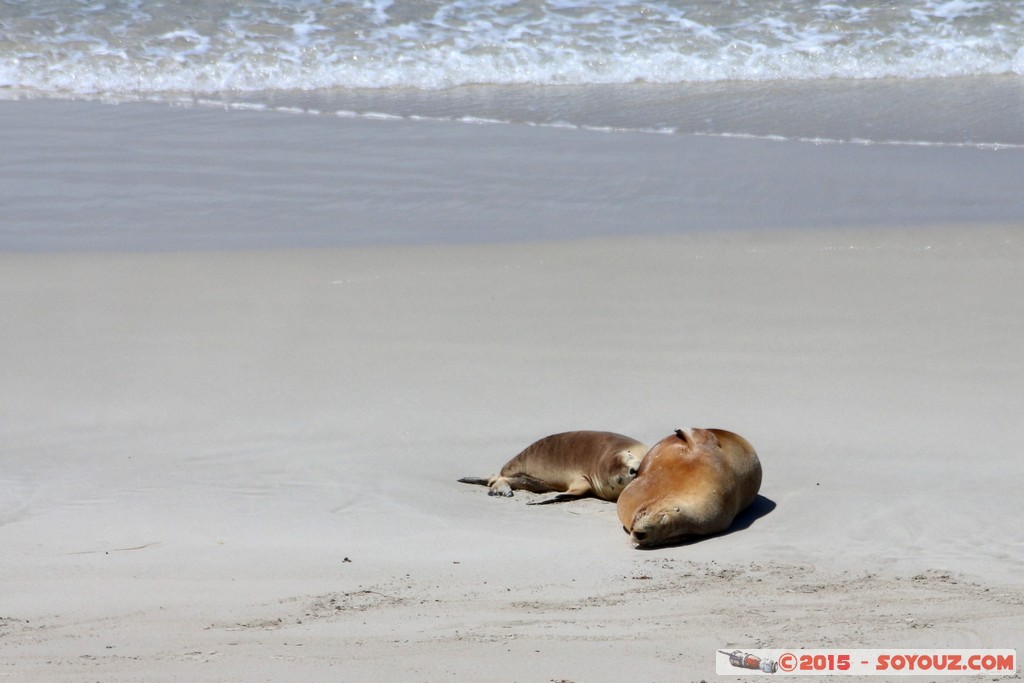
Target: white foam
{"x":955,"y":9}
{"x":865,"y":142}
{"x":304,"y":30}
{"x":302,"y":44}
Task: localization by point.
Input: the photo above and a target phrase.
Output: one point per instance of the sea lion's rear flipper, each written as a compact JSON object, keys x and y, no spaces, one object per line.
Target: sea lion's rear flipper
{"x":524,"y":482}
{"x":499,"y":485}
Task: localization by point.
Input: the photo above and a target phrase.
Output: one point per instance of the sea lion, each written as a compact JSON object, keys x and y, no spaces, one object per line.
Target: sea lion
{"x":575,"y":463}
{"x":694,"y":482}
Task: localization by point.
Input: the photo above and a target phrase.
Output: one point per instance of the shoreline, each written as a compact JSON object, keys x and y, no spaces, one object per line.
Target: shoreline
{"x":978,"y":111}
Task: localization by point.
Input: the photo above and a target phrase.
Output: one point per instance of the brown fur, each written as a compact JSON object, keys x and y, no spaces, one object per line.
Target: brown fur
{"x":574,"y":463}
{"x":694,"y":482}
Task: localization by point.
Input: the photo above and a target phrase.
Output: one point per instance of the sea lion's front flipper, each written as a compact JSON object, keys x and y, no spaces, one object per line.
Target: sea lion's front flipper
{"x":576,"y":491}
{"x":482,"y":481}
{"x":560,"y":498}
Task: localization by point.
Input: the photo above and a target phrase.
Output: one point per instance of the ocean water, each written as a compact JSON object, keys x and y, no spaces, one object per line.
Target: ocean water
{"x":915,"y":71}
{"x":144,"y":47}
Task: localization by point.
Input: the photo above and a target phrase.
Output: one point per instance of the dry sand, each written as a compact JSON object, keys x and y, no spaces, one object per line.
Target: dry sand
{"x":240,"y":465}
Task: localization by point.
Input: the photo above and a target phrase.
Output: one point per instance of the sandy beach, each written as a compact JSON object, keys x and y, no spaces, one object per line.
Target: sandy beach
{"x":231,"y":431}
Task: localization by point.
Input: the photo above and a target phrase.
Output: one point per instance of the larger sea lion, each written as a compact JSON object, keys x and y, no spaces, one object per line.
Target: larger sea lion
{"x":576,"y":464}
{"x":694,"y":482}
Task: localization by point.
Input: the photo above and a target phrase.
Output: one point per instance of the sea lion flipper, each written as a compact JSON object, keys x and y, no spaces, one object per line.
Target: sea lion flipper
{"x":578,"y":490}
{"x":560,"y":498}
{"x":500,"y":486}
{"x":524,"y":482}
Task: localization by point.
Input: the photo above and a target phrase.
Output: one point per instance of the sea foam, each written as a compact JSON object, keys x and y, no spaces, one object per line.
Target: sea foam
{"x":137,"y":47}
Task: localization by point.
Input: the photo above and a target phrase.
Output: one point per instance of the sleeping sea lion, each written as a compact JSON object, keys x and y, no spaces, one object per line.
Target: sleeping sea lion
{"x":694,"y":482}
{"x":574,"y":463}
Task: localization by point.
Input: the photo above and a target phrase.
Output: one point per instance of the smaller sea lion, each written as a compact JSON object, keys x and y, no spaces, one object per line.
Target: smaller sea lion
{"x":576,"y":464}
{"x":694,"y":482}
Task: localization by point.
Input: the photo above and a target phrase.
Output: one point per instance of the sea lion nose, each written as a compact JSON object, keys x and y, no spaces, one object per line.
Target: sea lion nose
{"x":639,"y":535}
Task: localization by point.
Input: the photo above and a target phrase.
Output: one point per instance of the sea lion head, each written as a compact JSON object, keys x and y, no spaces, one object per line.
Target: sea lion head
{"x":659,"y":525}
{"x":658,"y":507}
{"x":616,"y":472}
